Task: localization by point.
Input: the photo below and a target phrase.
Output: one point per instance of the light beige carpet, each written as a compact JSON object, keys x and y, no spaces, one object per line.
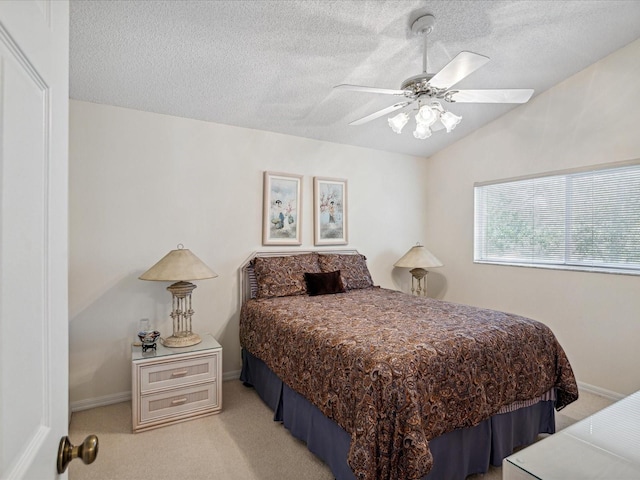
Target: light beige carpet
{"x":240,"y":443}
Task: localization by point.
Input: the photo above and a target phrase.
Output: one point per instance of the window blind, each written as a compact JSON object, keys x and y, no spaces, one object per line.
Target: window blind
{"x":582,"y":220}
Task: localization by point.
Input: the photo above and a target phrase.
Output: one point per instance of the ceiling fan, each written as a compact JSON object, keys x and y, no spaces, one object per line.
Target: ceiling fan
{"x":428,"y":89}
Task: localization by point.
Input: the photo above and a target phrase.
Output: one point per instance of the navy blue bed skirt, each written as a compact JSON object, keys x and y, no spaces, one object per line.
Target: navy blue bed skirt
{"x":456,"y":454}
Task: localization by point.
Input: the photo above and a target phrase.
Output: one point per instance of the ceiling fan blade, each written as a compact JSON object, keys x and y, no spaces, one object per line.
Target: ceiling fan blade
{"x":380,"y":113}
{"x":514,"y":95}
{"x":360,"y":88}
{"x":462,"y":65}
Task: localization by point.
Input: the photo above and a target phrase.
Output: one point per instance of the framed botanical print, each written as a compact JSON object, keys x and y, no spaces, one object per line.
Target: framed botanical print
{"x":330,"y":211}
{"x":282,"y":210}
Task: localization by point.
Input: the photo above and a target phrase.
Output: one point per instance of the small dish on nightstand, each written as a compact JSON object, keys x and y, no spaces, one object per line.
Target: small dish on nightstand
{"x":148,"y":339}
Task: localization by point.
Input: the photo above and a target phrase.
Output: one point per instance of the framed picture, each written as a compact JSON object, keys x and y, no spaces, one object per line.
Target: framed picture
{"x":282,"y":210}
{"x":330,"y":211}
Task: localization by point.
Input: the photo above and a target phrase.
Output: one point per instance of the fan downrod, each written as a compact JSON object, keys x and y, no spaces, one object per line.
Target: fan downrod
{"x":418,"y":85}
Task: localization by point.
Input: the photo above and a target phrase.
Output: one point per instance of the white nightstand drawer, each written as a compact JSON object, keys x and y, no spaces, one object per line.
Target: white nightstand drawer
{"x":174,"y":374}
{"x":179,"y":401}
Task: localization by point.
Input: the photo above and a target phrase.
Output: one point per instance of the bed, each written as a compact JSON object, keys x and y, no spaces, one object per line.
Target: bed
{"x":385,"y":385}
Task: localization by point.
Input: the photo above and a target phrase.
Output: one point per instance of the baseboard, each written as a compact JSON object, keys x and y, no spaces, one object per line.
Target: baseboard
{"x":235,"y":375}
{"x":100,"y":401}
{"x":600,"y":391}
{"x":125,"y":396}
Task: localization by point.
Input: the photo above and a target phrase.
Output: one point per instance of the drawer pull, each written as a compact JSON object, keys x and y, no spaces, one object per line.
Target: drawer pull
{"x":181,"y":373}
{"x":179,"y":401}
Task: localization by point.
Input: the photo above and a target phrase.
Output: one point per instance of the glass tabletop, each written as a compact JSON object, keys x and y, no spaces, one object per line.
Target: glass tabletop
{"x":604,"y":445}
{"x":208,"y":342}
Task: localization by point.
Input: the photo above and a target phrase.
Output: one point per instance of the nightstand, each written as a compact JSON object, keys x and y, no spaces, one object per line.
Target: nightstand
{"x":171,"y":385}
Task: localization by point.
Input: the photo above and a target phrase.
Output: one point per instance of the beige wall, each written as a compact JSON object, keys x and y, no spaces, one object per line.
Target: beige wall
{"x":591,"y":118}
{"x":140,"y":183}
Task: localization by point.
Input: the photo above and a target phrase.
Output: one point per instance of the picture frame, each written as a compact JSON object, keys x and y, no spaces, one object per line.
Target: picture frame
{"x":330,"y":211}
{"x":282,"y":209}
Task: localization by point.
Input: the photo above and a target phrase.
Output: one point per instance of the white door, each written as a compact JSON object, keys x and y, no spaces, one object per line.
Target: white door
{"x":34,"y":97}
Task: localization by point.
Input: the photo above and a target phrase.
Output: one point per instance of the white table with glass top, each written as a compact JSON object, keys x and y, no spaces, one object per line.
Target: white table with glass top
{"x":604,"y":446}
{"x":172,"y":385}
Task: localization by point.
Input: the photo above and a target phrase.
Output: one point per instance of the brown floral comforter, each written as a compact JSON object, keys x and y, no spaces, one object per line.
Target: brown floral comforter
{"x":396,"y":370}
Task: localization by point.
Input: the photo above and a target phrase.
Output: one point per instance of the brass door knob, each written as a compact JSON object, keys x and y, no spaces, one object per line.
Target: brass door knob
{"x":87,"y":451}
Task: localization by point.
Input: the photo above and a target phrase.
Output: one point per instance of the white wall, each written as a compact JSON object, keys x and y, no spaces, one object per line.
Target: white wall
{"x":591,"y":118}
{"x":140,"y":183}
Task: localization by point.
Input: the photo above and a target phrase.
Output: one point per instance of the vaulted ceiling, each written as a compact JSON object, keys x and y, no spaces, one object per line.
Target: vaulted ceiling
{"x":271,"y":64}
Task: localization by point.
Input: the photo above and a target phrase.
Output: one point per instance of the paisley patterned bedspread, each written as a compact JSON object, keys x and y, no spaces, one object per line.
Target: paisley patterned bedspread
{"x":395,"y":370}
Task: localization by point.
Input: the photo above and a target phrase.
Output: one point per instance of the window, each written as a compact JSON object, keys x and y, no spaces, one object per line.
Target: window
{"x":586,"y":220}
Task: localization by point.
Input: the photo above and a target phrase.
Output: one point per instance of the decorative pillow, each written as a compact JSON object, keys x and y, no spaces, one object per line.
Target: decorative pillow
{"x":284,"y":276}
{"x":324,"y":283}
{"x":353,"y":269}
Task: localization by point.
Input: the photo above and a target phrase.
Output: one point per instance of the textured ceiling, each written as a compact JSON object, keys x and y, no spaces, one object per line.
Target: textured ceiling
{"x":271,"y":65}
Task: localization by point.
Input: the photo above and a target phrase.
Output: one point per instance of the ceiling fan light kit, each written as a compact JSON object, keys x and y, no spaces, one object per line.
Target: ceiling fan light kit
{"x":429,"y":87}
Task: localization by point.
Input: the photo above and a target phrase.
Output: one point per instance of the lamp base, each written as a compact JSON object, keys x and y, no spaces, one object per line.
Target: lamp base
{"x":419,"y":274}
{"x":181,"y":339}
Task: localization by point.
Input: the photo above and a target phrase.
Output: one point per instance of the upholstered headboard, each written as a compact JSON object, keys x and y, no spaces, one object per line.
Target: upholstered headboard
{"x":245,"y":269}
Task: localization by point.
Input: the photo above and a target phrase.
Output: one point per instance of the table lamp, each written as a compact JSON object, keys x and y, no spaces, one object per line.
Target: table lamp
{"x":180,"y":266}
{"x":418,"y":259}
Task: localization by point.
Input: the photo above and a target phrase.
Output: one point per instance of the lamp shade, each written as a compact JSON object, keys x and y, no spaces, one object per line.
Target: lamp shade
{"x":418,"y":257}
{"x":178,"y":265}
{"x":422,"y":131}
{"x":450,"y":120}
{"x":426,"y":115}
{"x":398,"y":122}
